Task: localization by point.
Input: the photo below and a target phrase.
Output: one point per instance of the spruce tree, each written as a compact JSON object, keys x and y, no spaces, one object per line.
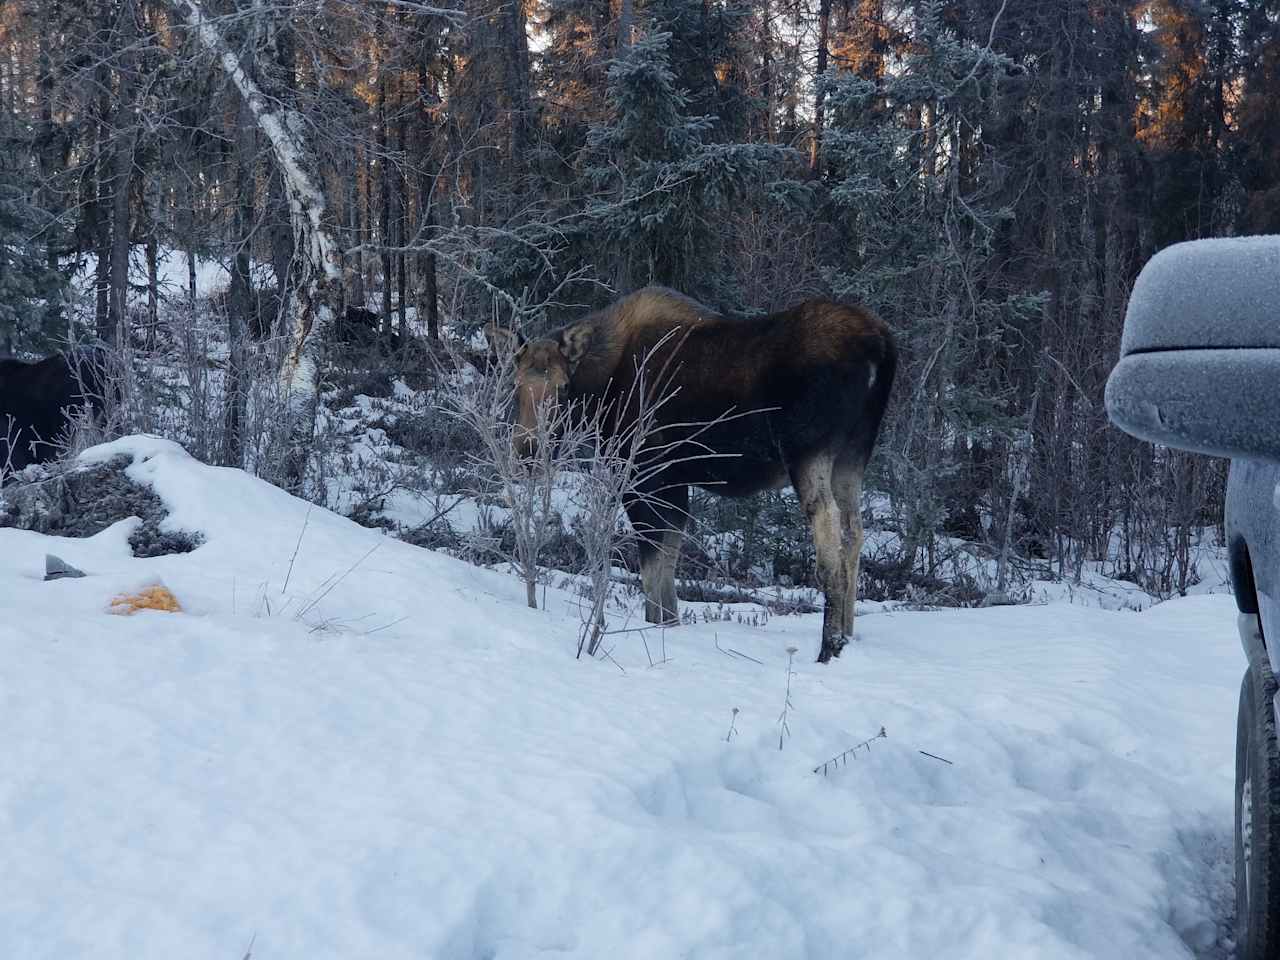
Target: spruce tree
{"x":913,"y":213}
{"x":31,"y":289}
{"x":663,"y":185}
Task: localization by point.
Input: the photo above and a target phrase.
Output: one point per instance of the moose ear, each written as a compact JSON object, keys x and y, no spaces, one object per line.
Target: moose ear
{"x":503,"y":340}
{"x":574,"y":342}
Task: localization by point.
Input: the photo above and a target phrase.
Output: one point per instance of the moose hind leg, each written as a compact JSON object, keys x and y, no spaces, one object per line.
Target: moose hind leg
{"x":813,"y":485}
{"x":847,"y":487}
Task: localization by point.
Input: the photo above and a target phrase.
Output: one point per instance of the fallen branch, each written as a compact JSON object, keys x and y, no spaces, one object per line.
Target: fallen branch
{"x":930,"y":755}
{"x":841,"y":759}
{"x":730,"y":652}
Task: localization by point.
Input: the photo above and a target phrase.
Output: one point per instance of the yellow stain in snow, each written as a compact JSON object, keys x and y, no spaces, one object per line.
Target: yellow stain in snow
{"x":152,"y":598}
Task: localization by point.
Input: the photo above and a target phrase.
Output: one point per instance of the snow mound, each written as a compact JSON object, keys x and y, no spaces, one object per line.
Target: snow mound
{"x":346,"y":746}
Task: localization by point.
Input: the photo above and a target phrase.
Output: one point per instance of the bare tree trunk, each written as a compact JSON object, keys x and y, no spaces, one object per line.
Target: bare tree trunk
{"x":316,"y":296}
{"x":1020,"y":469}
{"x":402,"y":224}
{"x":355,"y":225}
{"x":626,"y":18}
{"x":384,"y":213}
{"x":96,"y":221}
{"x":240,"y":309}
{"x":191,"y":275}
{"x":99,"y":224}
{"x":366,"y":211}
{"x":427,"y":210}
{"x":766,"y":68}
{"x":819,"y":96}
{"x":122,"y":159}
{"x":280,"y":233}
{"x":151,"y":200}
{"x":51,"y":13}
{"x":153,"y":281}
{"x":187,"y":218}
{"x":518,"y":71}
{"x":351,"y":225}
{"x":430,"y":291}
{"x":278,"y":65}
{"x":118,"y":304}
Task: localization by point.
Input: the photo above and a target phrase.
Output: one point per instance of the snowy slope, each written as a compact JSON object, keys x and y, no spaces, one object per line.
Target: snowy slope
{"x":412,"y":764}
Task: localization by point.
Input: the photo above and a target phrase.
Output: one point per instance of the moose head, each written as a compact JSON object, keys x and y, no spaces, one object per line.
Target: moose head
{"x":544,"y":370}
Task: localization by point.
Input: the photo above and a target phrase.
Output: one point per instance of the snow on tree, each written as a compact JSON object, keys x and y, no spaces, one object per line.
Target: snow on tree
{"x":317,"y":294}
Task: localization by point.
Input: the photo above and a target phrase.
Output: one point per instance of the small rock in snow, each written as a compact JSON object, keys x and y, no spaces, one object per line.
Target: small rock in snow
{"x":55,"y":568}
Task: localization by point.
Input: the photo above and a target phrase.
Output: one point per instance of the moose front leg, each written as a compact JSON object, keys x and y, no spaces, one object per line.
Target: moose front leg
{"x":659,"y":524}
{"x":658,"y":577}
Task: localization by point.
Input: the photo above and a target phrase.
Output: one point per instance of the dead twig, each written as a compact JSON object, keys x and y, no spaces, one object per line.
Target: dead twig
{"x":930,"y":755}
{"x":841,"y":759}
{"x":730,"y":652}
{"x":303,"y":612}
{"x":296,"y":547}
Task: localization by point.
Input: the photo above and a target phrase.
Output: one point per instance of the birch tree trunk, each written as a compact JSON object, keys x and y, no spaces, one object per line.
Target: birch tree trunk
{"x":317,"y":293}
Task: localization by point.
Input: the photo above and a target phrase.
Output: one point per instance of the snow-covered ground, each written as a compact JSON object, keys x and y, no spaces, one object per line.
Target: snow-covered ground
{"x":372,"y":750}
{"x":173,"y":279}
{"x":172,"y":274}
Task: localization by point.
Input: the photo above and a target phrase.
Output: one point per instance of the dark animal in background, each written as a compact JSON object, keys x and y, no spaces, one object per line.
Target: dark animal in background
{"x":795,"y":398}
{"x":358,"y":324}
{"x":362,"y":327}
{"x":37,"y":401}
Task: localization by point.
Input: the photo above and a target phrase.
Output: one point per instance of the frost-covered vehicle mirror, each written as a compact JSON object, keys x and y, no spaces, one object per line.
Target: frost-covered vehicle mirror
{"x":1200,"y":357}
{"x":1199,"y":370}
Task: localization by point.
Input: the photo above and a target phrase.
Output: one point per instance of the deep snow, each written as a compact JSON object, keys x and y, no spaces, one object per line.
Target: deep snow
{"x":394,"y":758}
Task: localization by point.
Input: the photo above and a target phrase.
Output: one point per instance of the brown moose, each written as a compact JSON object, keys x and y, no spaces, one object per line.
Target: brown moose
{"x":795,"y":397}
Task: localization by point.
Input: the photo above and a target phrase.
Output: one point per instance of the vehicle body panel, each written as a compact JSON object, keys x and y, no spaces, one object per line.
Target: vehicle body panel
{"x":1252,"y":521}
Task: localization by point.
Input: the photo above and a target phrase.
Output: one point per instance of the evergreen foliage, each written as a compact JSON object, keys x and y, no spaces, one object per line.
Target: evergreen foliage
{"x":31,"y":288}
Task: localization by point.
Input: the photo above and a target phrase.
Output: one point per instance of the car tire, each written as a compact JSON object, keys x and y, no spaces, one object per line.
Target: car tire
{"x":1257,"y":833}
